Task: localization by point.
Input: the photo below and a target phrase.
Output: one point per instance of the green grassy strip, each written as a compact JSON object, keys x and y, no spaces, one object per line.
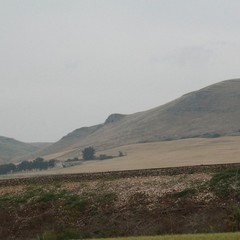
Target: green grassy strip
{"x":214,"y":236}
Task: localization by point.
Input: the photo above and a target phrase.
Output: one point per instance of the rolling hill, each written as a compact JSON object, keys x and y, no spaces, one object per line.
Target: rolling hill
{"x":11,"y":149}
{"x":209,"y":112}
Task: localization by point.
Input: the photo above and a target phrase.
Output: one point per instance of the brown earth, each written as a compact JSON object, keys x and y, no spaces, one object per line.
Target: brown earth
{"x":112,"y":206}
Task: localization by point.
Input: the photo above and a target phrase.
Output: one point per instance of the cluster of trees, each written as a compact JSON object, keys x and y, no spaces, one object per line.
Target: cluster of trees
{"x":89,"y":154}
{"x":7,"y":168}
{"x":38,"y":164}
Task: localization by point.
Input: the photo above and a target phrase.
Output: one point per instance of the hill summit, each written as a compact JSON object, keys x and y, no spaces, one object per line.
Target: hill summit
{"x":209,"y":112}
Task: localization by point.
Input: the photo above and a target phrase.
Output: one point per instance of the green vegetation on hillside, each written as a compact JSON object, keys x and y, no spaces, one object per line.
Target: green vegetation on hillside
{"x":226,"y":183}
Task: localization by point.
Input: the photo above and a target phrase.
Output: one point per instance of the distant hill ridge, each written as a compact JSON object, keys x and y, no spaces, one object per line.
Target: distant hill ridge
{"x":11,"y":149}
{"x":209,"y":112}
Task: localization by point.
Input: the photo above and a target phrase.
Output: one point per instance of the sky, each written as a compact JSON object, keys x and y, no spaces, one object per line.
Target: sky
{"x":66,"y":64}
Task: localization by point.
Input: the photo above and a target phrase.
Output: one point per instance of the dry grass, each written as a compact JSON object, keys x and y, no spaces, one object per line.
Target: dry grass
{"x":166,"y":154}
{"x":185,"y":152}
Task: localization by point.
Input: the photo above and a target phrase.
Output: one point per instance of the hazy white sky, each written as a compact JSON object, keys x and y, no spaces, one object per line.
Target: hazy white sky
{"x":65,"y":64}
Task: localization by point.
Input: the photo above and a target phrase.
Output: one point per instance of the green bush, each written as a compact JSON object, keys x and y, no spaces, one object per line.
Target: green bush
{"x":76,"y":201}
{"x":226,"y":183}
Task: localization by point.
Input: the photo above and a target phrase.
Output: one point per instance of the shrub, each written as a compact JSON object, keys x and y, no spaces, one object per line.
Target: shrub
{"x":226,"y":183}
{"x":88,"y":153}
{"x":76,"y":201}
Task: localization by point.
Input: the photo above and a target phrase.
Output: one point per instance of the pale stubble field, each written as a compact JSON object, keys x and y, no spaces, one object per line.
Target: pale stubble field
{"x":185,"y":152}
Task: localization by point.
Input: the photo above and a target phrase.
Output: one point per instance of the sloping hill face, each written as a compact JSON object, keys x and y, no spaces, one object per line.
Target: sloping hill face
{"x":69,"y":141}
{"x":11,"y":149}
{"x":210,"y":112}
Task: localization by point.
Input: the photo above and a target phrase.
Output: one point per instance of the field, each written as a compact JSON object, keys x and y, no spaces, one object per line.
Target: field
{"x":185,"y":152}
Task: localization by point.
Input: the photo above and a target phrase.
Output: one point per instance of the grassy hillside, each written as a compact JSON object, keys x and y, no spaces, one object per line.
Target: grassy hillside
{"x":70,"y":140}
{"x":210,"y":112}
{"x":41,"y":145}
{"x":11,"y":149}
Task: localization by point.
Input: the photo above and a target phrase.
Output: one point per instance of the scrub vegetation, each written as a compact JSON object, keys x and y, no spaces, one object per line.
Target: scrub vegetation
{"x":77,"y":208}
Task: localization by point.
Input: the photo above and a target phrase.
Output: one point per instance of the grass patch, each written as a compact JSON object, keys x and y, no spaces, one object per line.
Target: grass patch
{"x":17,"y":198}
{"x":76,"y":201}
{"x":50,"y":196}
{"x":187,"y":192}
{"x":226,"y":183}
{"x":217,"y":236}
{"x":71,"y":234}
{"x":106,"y":197}
{"x":32,"y":195}
{"x":71,"y":200}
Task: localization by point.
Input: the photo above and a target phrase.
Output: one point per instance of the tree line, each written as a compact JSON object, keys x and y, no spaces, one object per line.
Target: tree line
{"x":37,"y":164}
{"x":88,"y":153}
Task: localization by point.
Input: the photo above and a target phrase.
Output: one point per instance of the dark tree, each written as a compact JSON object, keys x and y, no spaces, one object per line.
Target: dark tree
{"x":24,"y":165}
{"x":7,"y":168}
{"x":51,"y":163}
{"x":120,"y":154}
{"x":39,"y":163}
{"x":88,"y":153}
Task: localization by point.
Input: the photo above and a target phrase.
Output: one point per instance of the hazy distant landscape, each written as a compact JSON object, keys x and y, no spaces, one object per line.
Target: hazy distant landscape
{"x":201,"y":127}
{"x":169,"y":170}
{"x":119,"y":119}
